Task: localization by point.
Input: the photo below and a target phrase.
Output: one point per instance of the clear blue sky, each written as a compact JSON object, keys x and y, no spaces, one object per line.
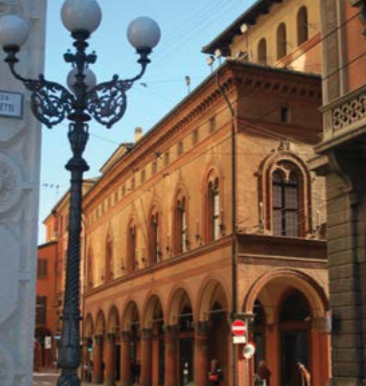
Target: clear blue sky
{"x":186,"y":26}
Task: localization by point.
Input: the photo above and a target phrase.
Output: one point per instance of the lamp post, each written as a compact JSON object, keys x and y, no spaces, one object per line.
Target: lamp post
{"x":51,"y":103}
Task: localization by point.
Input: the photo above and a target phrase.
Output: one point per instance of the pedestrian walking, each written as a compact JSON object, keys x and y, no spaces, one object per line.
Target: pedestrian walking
{"x":264,"y":373}
{"x":305,"y":375}
{"x":215,"y":375}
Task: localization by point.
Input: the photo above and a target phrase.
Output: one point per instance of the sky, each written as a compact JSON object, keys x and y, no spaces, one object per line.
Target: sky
{"x":186,"y":26}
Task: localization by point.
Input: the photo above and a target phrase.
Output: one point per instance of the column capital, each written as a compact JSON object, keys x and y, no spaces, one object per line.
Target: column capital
{"x":171,"y":331}
{"x":98,"y":338}
{"x":146,"y":333}
{"x":202,"y":328}
{"x":126,"y":336}
{"x":110,"y":337}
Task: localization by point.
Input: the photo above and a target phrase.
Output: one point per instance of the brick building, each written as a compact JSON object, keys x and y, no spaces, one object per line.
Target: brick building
{"x":342,"y":156}
{"x":214,"y":215}
{"x":45,"y":333}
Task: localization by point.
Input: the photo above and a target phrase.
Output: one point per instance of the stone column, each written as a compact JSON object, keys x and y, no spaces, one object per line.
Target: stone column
{"x":126,"y":358}
{"x":171,"y":355}
{"x":110,"y":360}
{"x":84,"y":359}
{"x":98,"y":360}
{"x":20,"y":140}
{"x":201,"y":359}
{"x":146,"y":351}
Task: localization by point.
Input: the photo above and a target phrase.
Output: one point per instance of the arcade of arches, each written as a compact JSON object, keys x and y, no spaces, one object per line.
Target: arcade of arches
{"x":170,"y":340}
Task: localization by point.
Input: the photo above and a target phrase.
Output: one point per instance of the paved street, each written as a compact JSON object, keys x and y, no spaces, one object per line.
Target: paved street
{"x":44,"y":379}
{"x":48,"y":379}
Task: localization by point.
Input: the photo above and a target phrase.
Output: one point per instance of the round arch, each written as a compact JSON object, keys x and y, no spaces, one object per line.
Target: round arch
{"x":113,"y":324}
{"x":212,"y":291}
{"x":311,"y":289}
{"x":179,"y":298}
{"x":130,"y":314}
{"x":100,"y":324}
{"x":89,"y":326}
{"x":152,"y":306}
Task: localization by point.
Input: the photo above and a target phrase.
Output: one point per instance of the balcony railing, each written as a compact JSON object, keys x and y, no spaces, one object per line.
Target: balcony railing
{"x":344,"y":119}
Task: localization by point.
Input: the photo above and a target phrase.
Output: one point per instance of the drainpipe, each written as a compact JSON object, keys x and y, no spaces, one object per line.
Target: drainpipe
{"x":233,"y":221}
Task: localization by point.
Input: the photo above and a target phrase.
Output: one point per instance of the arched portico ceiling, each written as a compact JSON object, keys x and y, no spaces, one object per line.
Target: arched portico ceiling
{"x":153,"y":311}
{"x":130,"y":315}
{"x":212,"y":294}
{"x":179,"y":300}
{"x":113,"y":321}
{"x":89,"y":326}
{"x":100,"y":325}
{"x":271,"y":287}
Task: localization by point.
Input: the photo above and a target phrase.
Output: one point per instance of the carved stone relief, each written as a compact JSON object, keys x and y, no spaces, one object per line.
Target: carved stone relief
{"x":7,"y":366}
{"x":8,"y":6}
{"x":10,"y":184}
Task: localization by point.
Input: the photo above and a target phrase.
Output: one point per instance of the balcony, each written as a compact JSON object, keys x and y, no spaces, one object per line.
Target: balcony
{"x":344,"y":120}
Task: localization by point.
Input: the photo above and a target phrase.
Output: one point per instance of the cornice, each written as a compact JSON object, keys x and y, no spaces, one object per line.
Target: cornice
{"x":203,"y":250}
{"x":233,"y":76}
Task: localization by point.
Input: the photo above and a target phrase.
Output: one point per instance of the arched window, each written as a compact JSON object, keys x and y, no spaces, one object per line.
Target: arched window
{"x":181,"y":239}
{"x":302,"y":26}
{"x":155,"y":252}
{"x":108,"y":275}
{"x":262,"y":52}
{"x":287,"y":185}
{"x":213,"y":210}
{"x":281,"y":41}
{"x":131,"y":247}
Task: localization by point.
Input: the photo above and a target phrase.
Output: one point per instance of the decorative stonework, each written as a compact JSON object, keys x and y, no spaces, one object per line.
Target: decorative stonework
{"x":8,"y":273}
{"x":7,"y":366}
{"x":10,"y":185}
{"x":349,"y":112}
{"x":8,"y":6}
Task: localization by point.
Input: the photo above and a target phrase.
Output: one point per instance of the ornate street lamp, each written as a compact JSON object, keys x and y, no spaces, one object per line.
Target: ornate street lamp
{"x":83,"y":100}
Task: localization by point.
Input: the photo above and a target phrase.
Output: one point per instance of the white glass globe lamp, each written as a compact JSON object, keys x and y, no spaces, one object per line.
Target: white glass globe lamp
{"x":14,"y":31}
{"x":143,"y":33}
{"x":90,"y":79}
{"x":81,"y":15}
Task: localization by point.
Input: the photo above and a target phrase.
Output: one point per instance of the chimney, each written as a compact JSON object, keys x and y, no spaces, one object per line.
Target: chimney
{"x":138,"y":134}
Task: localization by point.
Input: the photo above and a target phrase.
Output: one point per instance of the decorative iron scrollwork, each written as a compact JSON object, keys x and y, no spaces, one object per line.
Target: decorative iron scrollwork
{"x":51,"y":103}
{"x":107,"y":102}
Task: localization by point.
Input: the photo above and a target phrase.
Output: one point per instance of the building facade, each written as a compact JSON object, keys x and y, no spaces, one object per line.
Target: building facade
{"x":46,"y":333}
{"x":341,"y":159}
{"x":19,"y":192}
{"x":214,"y":215}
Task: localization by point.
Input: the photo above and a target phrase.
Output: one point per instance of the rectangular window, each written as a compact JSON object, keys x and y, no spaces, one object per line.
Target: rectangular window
{"x":195,"y":137}
{"x":285,"y":114}
{"x":41,"y":310}
{"x":42,"y":268}
{"x":212,"y":125}
{"x":180,"y":148}
{"x":166,"y":159}
{"x":154,"y":167}
{"x":143,"y":176}
{"x":123,"y":190}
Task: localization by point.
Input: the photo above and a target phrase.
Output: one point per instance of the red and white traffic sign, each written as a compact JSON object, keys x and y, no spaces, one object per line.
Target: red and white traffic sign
{"x":239,"y":328}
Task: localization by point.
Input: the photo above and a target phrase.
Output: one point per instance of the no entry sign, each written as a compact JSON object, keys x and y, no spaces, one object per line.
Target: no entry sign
{"x":239,"y":328}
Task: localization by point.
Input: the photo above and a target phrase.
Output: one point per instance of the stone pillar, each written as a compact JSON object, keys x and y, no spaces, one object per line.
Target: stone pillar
{"x":98,"y":360}
{"x":126,"y":358}
{"x":146,"y":351}
{"x":320,"y":353}
{"x":171,"y":355}
{"x":110,"y":360}
{"x":84,"y":359}
{"x":20,"y":140}
{"x":201,"y":359}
